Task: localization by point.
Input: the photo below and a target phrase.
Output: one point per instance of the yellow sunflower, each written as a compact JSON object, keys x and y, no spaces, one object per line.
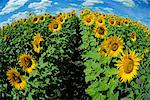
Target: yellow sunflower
{"x":97,"y":13}
{"x":41,"y":18}
{"x":112,"y":21}
{"x":126,"y":21}
{"x":99,"y":21}
{"x":103,"y":50}
{"x":89,"y":19}
{"x":27,"y":62}
{"x":100,"y":31}
{"x":73,"y":12}
{"x":35,"y":19}
{"x":128,"y":66}
{"x":36,"y":42}
{"x":103,"y":16}
{"x":61,"y":18}
{"x":15,"y":79}
{"x":84,"y":11}
{"x":133,"y":36}
{"x":115,"y":46}
{"x":55,"y":26}
{"x":118,"y":22}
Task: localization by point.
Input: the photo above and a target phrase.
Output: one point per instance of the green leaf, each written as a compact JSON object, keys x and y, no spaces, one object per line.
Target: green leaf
{"x":93,"y":88}
{"x":103,"y":85}
{"x":99,"y":96}
{"x":110,"y":71}
{"x":29,"y":97}
{"x":112,"y":96}
{"x":113,"y":83}
{"x":93,"y":54}
{"x":104,"y":60}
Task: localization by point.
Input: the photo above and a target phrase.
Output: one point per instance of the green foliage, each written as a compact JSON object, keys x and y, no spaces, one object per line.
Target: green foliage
{"x":101,"y":74}
{"x":44,"y":81}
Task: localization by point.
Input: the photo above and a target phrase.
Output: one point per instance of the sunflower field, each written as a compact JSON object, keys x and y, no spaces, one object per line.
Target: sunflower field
{"x":90,"y":56}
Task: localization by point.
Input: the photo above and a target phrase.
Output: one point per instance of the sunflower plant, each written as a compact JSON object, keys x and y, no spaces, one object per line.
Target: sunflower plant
{"x":113,"y":48}
{"x":33,"y":54}
{"x":39,"y":54}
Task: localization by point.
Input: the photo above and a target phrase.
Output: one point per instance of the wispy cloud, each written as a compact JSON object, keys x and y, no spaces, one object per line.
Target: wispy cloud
{"x":16,"y":16}
{"x":12,"y":5}
{"x":19,"y":15}
{"x":91,"y":2}
{"x":74,"y":4}
{"x":127,"y":3}
{"x":109,"y":10}
{"x":65,"y":10}
{"x":40,"y":5}
{"x":55,"y":3}
{"x":146,"y":1}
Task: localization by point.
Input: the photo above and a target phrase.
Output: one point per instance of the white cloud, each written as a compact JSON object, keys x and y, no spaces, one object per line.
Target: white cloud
{"x":127,"y":3}
{"x":17,"y":16}
{"x":12,"y":5}
{"x":73,"y":4}
{"x":146,"y":1}
{"x":66,"y":10}
{"x":91,"y":2}
{"x":40,"y":5}
{"x":109,"y":10}
{"x":55,"y":3}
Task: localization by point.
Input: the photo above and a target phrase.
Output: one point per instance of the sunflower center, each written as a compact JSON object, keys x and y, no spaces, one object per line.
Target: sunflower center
{"x":112,"y":22}
{"x":114,"y":46}
{"x":35,"y":19}
{"x":17,"y":78}
{"x":118,"y":23}
{"x":100,"y":21}
{"x":88,"y":20}
{"x":25,"y":20}
{"x":129,"y":66}
{"x":132,"y":35}
{"x":61,"y":19}
{"x":126,"y":22}
{"x":28,"y":62}
{"x":55,"y":26}
{"x":101,"y":30}
{"x":41,"y":18}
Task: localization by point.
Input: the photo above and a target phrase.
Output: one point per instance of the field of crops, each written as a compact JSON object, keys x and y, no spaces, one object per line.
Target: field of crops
{"x":79,"y":57}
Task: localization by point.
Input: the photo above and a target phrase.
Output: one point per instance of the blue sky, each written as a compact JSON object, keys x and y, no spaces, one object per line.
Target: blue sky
{"x":138,"y":10}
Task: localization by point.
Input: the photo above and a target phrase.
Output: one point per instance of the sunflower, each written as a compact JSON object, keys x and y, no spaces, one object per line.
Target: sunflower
{"x":103,"y":16}
{"x":128,"y":66}
{"x":112,"y":21}
{"x":15,"y":79}
{"x":61,"y":18}
{"x":5,"y":38}
{"x":85,"y":11}
{"x":133,"y":36}
{"x":100,"y":31}
{"x":24,"y":20}
{"x":41,"y":18}
{"x":36,"y":42}
{"x":115,"y":45}
{"x":103,"y":50}
{"x":73,"y":12}
{"x":126,"y":21}
{"x":55,"y":26}
{"x":99,"y":21}
{"x":34,"y":19}
{"x":27,"y":62}
{"x":97,"y":13}
{"x":118,"y":22}
{"x":89,"y":19}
